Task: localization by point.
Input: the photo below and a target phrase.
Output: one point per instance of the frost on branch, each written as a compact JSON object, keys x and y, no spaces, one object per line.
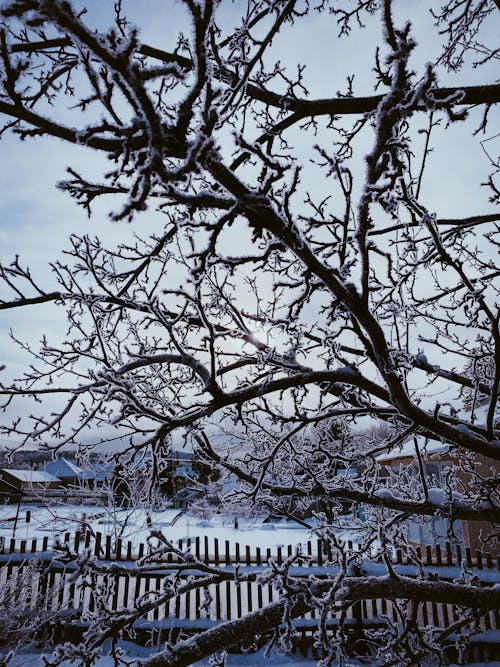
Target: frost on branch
{"x":292,"y":300}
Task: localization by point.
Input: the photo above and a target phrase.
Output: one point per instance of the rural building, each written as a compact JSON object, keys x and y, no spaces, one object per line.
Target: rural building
{"x":436,"y":459}
{"x":15,"y":484}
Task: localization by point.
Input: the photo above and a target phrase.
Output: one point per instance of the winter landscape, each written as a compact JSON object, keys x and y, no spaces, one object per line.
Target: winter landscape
{"x":249,"y":333}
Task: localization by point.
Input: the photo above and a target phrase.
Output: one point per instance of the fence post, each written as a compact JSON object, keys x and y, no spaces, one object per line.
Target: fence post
{"x":320,"y":552}
{"x":88,"y":537}
{"x":439,"y":560}
{"x":107,"y":554}
{"x":216,"y":553}
{"x":97,"y":550}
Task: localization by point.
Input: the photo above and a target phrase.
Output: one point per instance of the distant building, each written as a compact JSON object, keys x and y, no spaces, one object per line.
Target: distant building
{"x":435,"y":459}
{"x":18,"y":484}
{"x":177,"y":473}
{"x":101,"y":472}
{"x":69,"y":473}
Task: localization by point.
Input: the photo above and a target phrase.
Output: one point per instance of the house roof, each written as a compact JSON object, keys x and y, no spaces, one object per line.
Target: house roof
{"x":63,"y":468}
{"x":407,"y":449}
{"x":37,"y":476}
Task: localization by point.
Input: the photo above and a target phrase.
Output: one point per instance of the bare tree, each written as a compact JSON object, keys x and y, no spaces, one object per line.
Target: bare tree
{"x":295,"y":296}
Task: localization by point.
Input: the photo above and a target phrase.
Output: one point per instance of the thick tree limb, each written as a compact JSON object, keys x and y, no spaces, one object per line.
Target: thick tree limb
{"x":352,"y":589}
{"x":341,"y":106}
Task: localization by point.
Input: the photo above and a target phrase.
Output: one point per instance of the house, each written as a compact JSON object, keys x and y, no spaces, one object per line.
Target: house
{"x":101,"y":473}
{"x":16,"y":484}
{"x":177,"y":472}
{"x":70,"y":474}
{"x":401,"y":465}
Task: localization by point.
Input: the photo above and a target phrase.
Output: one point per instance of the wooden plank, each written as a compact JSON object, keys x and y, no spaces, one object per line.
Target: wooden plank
{"x":217,"y":602}
{"x":216,"y":554}
{"x":439,"y":560}
{"x":126,"y":589}
{"x":116,"y":589}
{"x":107,"y":552}
{"x":97,"y":546}
{"x":188,"y":604}
{"x":228,"y":601}
{"x":197,"y":603}
{"x":449,"y":554}
{"x":119,"y":547}
{"x":238,"y":600}
{"x":428,"y":555}
{"x":137,"y":590}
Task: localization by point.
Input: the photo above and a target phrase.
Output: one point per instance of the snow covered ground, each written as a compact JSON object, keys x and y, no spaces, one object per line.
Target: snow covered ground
{"x":55,"y":520}
{"x":35,"y":659}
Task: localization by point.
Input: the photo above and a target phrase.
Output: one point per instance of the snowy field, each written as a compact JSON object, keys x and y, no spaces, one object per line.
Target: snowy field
{"x":35,"y":659}
{"x":55,"y":520}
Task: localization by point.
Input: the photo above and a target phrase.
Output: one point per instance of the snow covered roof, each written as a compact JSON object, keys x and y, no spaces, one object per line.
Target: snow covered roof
{"x":408,"y":449}
{"x":36,"y":476}
{"x":63,"y":468}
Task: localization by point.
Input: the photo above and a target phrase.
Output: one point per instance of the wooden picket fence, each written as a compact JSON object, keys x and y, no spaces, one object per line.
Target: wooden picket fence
{"x":38,"y":579}
{"x":222,"y":552}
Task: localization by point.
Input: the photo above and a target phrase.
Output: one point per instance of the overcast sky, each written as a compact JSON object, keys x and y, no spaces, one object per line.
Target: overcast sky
{"x":36,"y":218}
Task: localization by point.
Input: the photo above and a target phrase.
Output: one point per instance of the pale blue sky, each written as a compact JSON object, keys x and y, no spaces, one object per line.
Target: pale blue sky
{"x":36,"y":218}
